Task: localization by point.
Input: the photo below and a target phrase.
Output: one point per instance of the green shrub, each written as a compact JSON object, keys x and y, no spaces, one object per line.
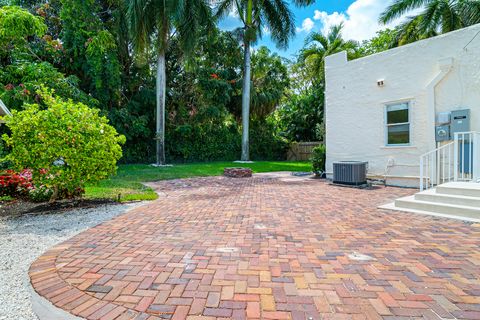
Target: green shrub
{"x":65,"y":145}
{"x":6,"y":198}
{"x":265,"y":142}
{"x":4,"y":164}
{"x":318,"y":159}
{"x":40,"y":194}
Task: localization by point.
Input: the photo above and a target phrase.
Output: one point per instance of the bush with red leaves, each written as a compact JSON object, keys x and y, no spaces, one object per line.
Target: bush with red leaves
{"x":15,"y":183}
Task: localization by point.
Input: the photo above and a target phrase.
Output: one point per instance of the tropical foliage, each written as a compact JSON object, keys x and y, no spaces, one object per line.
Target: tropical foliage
{"x":64,"y":144}
{"x":430,"y":18}
{"x":214,"y":88}
{"x":318,"y":46}
{"x":277,"y":17}
{"x":151,"y":24}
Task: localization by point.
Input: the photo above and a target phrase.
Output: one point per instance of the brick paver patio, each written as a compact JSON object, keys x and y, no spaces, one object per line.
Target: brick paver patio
{"x":264,"y":248}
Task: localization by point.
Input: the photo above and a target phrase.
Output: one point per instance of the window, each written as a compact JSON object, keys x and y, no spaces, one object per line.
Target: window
{"x":398,"y":124}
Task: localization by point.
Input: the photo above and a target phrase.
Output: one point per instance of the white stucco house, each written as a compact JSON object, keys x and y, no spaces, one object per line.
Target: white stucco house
{"x":392,"y":107}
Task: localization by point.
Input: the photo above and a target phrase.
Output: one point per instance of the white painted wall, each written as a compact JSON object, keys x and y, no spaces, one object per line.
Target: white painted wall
{"x":437,"y":74}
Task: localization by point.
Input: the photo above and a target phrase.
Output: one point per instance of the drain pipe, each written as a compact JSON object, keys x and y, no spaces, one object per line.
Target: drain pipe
{"x":446,"y":66}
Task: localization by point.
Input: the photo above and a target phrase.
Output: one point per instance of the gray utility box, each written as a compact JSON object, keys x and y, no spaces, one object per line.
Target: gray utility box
{"x":442,"y":133}
{"x":460,"y":121}
{"x":350,"y":172}
{"x":449,"y":123}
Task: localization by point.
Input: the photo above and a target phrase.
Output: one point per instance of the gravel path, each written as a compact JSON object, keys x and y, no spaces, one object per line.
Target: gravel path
{"x":23,"y":239}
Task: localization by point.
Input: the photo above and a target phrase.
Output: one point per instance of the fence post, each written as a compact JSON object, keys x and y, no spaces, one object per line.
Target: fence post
{"x":421,"y":173}
{"x":475,"y":157}
{"x":455,"y":157}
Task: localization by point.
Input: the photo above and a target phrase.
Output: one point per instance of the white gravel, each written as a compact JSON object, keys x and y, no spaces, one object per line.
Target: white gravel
{"x":25,"y":238}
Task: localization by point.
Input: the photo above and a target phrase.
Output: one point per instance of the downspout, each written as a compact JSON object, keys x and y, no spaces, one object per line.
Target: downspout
{"x":446,"y":66}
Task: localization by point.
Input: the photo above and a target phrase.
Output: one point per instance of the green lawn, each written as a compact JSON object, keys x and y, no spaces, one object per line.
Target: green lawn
{"x":127,"y":184}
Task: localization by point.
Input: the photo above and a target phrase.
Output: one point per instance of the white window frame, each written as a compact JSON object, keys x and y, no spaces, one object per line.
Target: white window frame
{"x":409,"y":123}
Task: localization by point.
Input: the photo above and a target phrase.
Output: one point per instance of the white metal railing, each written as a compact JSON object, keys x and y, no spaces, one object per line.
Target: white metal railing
{"x":456,"y":161}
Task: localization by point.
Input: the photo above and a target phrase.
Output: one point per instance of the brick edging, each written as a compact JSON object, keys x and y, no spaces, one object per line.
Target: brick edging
{"x":47,"y":284}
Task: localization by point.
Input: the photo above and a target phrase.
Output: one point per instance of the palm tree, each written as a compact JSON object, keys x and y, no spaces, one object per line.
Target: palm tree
{"x":276,"y":16}
{"x":151,"y":23}
{"x":318,"y":46}
{"x":436,"y":16}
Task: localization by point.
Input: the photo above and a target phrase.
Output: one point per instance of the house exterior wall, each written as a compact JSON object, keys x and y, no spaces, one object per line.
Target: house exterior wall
{"x":434,"y":75}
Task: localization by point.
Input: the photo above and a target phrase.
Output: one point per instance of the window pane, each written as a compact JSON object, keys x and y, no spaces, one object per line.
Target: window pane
{"x":399,"y":134}
{"x":397,"y":113}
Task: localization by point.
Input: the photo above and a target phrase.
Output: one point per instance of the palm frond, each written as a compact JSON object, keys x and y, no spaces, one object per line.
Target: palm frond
{"x":193,"y":15}
{"x":278,"y":17}
{"x":223,"y":8}
{"x":399,"y":8}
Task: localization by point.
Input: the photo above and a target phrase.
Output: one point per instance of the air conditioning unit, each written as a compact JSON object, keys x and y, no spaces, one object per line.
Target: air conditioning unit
{"x":350,"y":172}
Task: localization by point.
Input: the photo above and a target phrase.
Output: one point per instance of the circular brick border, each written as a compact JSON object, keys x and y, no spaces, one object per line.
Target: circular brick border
{"x":51,"y":291}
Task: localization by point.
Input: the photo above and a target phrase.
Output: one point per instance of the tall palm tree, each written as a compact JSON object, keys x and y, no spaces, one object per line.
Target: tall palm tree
{"x":318,"y":46}
{"x":151,"y":24}
{"x":436,"y":16}
{"x":276,"y":16}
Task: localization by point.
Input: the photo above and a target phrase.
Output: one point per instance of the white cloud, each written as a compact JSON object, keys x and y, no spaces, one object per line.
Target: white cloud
{"x":234,"y":13}
{"x":360,"y":20}
{"x":307,"y":25}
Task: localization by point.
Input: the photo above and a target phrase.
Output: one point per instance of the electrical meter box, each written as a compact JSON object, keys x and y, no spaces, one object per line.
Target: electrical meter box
{"x":460,"y":121}
{"x":442,"y":133}
{"x":444,"y":118}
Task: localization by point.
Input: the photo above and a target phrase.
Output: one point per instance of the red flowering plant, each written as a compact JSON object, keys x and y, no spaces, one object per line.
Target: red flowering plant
{"x":15,"y":184}
{"x":21,"y":185}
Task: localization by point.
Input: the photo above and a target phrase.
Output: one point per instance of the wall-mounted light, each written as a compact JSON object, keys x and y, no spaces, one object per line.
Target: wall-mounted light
{"x":381,"y":82}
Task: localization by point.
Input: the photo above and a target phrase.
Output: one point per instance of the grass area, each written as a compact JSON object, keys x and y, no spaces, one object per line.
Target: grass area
{"x":127,"y":184}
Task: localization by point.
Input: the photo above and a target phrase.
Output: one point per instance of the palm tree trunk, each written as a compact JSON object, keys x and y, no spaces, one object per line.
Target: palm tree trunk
{"x":246,"y":102}
{"x":161,"y":84}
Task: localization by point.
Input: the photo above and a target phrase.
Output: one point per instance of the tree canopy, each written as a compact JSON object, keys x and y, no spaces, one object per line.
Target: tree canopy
{"x":431,"y":17}
{"x":90,"y":52}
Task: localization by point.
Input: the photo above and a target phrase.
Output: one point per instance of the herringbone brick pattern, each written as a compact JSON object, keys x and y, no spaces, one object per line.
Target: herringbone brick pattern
{"x":261,"y":248}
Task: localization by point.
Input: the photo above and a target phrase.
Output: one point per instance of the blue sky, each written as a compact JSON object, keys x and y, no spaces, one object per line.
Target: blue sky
{"x":360,"y":18}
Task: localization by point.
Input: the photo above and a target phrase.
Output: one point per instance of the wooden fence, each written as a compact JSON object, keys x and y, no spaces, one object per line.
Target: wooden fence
{"x":301,"y":151}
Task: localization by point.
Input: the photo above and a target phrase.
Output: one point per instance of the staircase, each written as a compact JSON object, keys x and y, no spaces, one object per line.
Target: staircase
{"x":448,"y":177}
{"x":457,"y":200}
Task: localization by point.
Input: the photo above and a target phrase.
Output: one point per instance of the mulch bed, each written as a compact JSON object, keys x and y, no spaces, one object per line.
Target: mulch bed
{"x":19,"y":207}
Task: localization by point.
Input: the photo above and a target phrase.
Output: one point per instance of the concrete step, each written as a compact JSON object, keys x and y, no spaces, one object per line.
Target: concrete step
{"x":467,"y":189}
{"x":433,"y":196}
{"x":455,"y":210}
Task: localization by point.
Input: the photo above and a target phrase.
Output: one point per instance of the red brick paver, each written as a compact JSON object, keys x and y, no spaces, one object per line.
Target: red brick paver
{"x":263,"y":248}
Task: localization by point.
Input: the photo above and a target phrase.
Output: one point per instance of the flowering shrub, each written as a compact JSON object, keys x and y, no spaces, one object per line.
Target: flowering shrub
{"x":40,"y":194}
{"x":15,"y":184}
{"x":66,"y":145}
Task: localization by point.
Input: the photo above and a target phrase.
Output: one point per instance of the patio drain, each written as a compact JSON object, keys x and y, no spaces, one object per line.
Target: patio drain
{"x":356,"y":256}
{"x":301,"y":174}
{"x":227,"y":249}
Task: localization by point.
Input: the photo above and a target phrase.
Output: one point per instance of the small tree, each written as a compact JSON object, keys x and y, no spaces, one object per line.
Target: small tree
{"x":16,"y":25}
{"x":66,"y":144}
